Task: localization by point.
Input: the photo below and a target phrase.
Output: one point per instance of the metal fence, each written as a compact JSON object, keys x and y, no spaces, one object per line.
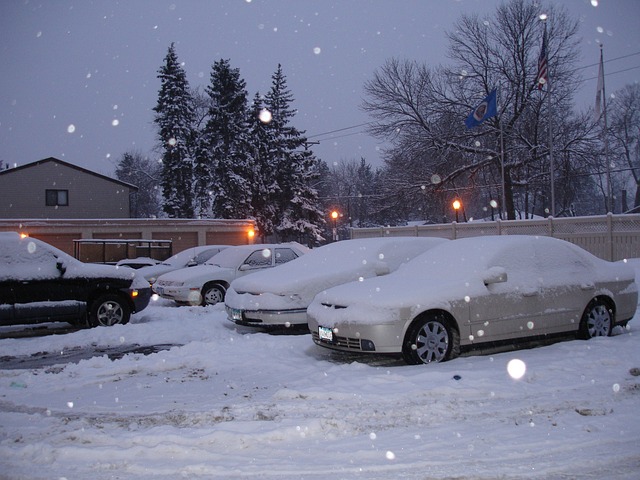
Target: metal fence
{"x":611,"y":237}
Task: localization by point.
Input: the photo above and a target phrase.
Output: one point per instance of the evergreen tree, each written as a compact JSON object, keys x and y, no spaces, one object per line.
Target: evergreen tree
{"x":223,"y":164}
{"x":175,"y":120}
{"x":264,"y":209}
{"x":295,"y":169}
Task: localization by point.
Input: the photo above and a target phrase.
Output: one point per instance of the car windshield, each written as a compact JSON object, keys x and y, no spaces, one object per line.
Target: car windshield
{"x":181,"y":259}
{"x":232,"y":257}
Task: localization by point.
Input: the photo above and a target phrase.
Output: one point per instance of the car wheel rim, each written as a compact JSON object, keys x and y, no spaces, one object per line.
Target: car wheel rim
{"x":213,"y":296}
{"x":110,"y":313}
{"x":432,"y":342}
{"x":599,"y":321}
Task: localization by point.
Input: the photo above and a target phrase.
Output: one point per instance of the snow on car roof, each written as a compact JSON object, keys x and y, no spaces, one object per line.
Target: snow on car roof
{"x":459,"y":265}
{"x":29,"y":258}
{"x":231,"y":257}
{"x":336,"y":263}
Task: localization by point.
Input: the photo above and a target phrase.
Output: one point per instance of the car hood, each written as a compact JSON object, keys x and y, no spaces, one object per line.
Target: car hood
{"x":195,"y":273}
{"x":154,"y":271}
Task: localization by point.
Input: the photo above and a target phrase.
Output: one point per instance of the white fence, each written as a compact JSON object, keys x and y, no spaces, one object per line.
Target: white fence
{"x":611,"y":237}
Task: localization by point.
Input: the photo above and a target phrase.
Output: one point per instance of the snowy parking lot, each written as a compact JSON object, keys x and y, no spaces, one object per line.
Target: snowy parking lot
{"x":227,"y":402}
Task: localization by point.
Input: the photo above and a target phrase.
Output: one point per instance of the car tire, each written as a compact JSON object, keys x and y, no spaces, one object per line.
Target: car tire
{"x":213,"y":294}
{"x":431,"y":338}
{"x":597,"y":320}
{"x":108,"y":310}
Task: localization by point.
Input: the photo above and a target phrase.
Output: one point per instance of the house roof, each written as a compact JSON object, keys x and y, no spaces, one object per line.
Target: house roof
{"x":69,"y":165}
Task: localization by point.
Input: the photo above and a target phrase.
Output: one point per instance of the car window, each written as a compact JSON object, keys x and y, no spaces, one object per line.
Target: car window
{"x":206,"y":255}
{"x":284,"y":255}
{"x":260,"y":258}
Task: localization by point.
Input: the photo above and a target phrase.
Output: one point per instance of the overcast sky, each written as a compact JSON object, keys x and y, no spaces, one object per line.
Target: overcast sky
{"x":79,"y":77}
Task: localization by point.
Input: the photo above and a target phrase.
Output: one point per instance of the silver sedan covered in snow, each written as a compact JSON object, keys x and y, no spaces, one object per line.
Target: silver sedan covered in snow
{"x":474,"y":291}
{"x":279,"y":297}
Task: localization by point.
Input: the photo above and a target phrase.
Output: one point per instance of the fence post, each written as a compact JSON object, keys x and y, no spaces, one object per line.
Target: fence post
{"x":550,"y":226}
{"x":610,"y":236}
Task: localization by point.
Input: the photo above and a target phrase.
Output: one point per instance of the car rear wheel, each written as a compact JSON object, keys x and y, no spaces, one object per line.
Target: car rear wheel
{"x":597,"y":320}
{"x":108,"y":310}
{"x":212,"y":294}
{"x":431,"y":338}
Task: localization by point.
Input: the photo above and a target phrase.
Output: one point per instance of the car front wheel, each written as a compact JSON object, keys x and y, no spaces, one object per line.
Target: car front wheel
{"x":212,"y":294}
{"x":431,"y":338}
{"x":597,"y":320}
{"x":108,"y":310}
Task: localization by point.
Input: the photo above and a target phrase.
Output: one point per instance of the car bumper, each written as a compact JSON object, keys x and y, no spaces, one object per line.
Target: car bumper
{"x":267,"y":318}
{"x":179,"y":294}
{"x":385,"y":338}
{"x":140,"y":298}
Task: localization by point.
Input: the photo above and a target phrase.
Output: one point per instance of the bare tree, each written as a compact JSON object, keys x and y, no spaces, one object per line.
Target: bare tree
{"x":144,"y":173}
{"x":624,"y":134}
{"x":421,"y":112}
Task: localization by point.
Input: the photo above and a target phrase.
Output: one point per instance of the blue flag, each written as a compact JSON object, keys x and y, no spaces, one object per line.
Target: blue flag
{"x":485,"y":110}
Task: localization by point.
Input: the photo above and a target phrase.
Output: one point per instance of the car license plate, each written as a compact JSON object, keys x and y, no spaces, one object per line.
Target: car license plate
{"x":159,"y":290}
{"x":325,"y":334}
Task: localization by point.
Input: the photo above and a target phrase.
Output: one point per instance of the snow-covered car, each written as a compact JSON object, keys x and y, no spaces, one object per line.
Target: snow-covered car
{"x":207,"y":284}
{"x":279,"y":297}
{"x":189,"y":257}
{"x":474,"y":291}
{"x":137,"y":263}
{"x":39,"y":283}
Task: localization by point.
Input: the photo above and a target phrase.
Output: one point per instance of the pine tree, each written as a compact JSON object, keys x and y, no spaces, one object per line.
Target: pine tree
{"x":294,"y":167}
{"x":175,"y":119}
{"x":263,"y":206}
{"x":223,"y":169}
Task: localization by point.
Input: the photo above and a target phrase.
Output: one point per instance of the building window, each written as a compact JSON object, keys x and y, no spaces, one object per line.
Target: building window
{"x":57,"y":198}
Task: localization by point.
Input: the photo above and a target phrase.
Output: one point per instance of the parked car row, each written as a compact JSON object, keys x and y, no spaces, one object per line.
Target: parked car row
{"x":431,"y":304}
{"x":424,"y":298}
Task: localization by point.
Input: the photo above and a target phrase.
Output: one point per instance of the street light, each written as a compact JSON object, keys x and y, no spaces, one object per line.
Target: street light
{"x":456,"y":206}
{"x":334,"y":215}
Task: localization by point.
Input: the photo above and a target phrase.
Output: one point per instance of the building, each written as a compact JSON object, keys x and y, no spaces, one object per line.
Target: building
{"x":70,"y":207}
{"x":55,"y":189}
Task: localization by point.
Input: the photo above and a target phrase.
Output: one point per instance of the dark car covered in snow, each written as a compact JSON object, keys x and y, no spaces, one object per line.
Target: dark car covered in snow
{"x":39,"y":283}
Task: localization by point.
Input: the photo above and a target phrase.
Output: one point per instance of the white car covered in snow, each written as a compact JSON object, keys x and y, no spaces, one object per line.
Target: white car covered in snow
{"x":473,"y":291}
{"x":207,"y":284}
{"x":189,"y":257}
{"x":280,"y":297}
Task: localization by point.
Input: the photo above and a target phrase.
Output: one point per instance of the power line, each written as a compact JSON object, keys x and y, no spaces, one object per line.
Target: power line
{"x":622,"y":57}
{"x":339,"y":130}
{"x":608,"y":61}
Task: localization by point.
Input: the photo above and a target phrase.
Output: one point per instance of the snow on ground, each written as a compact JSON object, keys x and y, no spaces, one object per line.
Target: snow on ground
{"x":234,"y":403}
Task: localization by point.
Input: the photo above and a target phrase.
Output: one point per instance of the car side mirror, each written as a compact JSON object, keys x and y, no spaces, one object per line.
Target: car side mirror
{"x":244,"y":267}
{"x":494,"y":275}
{"x":192,"y":263}
{"x":61,"y":268}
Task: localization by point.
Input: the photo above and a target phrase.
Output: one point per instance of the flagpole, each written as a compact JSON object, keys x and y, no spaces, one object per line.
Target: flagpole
{"x":605,"y":137}
{"x":550,"y":121}
{"x":504,"y":191}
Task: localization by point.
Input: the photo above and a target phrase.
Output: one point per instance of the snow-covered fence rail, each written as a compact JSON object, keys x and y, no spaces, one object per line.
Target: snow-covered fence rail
{"x":611,"y":237}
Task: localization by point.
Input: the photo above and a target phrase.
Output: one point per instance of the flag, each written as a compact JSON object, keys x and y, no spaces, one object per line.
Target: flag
{"x":543,"y":73}
{"x":482,"y":112}
{"x":600,"y":88}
